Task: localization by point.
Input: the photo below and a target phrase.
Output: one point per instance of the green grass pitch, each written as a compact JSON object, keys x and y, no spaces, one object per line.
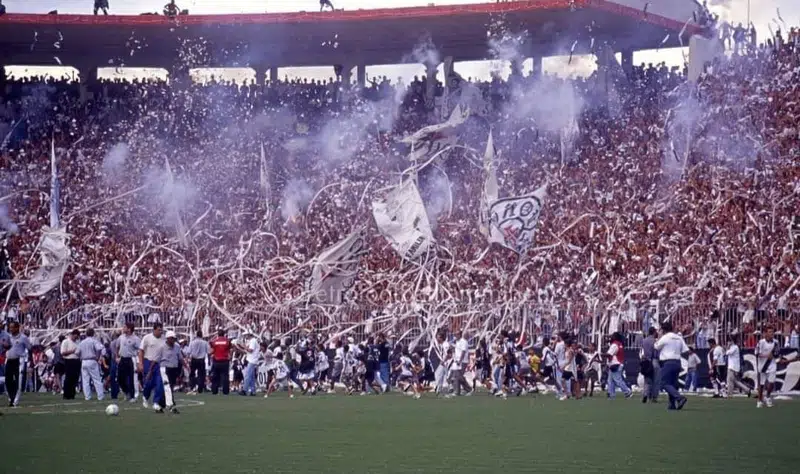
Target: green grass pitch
{"x":391,"y":433}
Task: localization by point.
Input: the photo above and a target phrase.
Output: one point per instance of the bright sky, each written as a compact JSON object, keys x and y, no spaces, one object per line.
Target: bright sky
{"x":762,"y":13}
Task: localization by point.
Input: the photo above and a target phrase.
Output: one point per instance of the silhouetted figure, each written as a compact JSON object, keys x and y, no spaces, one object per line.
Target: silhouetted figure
{"x":324,"y":3}
{"x":170,"y":9}
{"x":101,"y":5}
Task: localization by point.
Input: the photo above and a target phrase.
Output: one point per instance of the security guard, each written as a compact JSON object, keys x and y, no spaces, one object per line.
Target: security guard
{"x":17,"y":347}
{"x":91,"y":351}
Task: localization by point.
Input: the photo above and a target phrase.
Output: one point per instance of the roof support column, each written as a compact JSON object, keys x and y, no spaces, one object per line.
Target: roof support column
{"x":430,"y":84}
{"x":361,"y":75}
{"x":537,"y":66}
{"x":87,"y":76}
{"x":627,"y":61}
{"x":273,"y":74}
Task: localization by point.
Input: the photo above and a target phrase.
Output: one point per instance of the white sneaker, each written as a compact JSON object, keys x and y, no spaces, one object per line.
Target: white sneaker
{"x":291,"y":396}
{"x":417,"y":396}
{"x":769,"y":402}
{"x":266,"y":396}
{"x":144,"y":404}
{"x":759,"y":404}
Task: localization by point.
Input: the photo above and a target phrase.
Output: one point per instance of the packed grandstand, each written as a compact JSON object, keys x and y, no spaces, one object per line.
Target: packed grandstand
{"x":210,"y":204}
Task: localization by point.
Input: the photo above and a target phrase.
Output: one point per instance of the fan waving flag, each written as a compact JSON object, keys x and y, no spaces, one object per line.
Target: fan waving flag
{"x":513,"y":220}
{"x":335,"y":269}
{"x":402,"y":219}
{"x":430,"y":140}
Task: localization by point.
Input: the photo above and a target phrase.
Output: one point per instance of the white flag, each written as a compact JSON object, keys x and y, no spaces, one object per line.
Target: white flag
{"x":55,"y":258}
{"x":335,"y":270}
{"x":265,"y":184}
{"x":55,"y":190}
{"x":490,"y":187}
{"x":402,"y":219}
{"x":173,"y":212}
{"x":430,"y":140}
{"x":513,"y":220}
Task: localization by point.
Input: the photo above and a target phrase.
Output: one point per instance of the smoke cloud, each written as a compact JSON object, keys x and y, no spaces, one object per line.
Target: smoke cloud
{"x":296,"y":196}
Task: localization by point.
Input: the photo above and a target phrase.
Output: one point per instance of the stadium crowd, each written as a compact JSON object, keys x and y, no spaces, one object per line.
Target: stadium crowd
{"x":688,"y":198}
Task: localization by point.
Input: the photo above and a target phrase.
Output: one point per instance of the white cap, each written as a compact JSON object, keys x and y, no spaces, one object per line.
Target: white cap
{"x":171,"y":334}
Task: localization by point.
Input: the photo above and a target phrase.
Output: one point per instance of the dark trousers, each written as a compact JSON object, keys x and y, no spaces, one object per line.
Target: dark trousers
{"x":72,"y":371}
{"x":14,"y":379}
{"x":172,"y":376}
{"x":197,"y":374}
{"x":125,"y":377}
{"x":220,"y":375}
{"x":670,"y":370}
{"x":112,"y":378}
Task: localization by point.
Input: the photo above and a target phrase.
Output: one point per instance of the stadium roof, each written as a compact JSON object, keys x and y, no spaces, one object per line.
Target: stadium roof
{"x":371,"y":37}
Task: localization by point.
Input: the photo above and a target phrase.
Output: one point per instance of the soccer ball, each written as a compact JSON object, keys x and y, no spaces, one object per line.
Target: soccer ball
{"x":112,"y":410}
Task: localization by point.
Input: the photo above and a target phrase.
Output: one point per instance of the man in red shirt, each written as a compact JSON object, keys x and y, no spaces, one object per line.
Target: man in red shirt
{"x":220,"y":363}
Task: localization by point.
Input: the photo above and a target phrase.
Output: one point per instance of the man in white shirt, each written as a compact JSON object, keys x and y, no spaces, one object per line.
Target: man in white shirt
{"x":436,"y":354}
{"x":561,"y":360}
{"x":735,"y":368}
{"x":616,"y":359}
{"x":671,"y":347}
{"x":91,"y":351}
{"x":460,"y":362}
{"x":72,"y":364}
{"x":766,"y":366}
{"x":127,"y":347}
{"x":716,"y":365}
{"x":692,"y":362}
{"x":252,"y":349}
{"x":17,"y":347}
{"x":150,"y":366}
{"x":198,"y":355}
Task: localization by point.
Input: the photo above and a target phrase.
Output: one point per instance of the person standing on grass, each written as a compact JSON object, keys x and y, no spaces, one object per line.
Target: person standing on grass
{"x":126,"y":348}
{"x":436,"y":354}
{"x":716,"y":367}
{"x":616,"y":357}
{"x":460,"y":362}
{"x":252,"y":350}
{"x":766,"y":367}
{"x":150,"y":368}
{"x":569,"y":369}
{"x":58,"y":365}
{"x":384,"y":368}
{"x":72,"y":364}
{"x":734,"y":379}
{"x":594,"y":368}
{"x":220,"y":363}
{"x":650,"y":368}
{"x":5,"y":339}
{"x":91,"y":351}
{"x":560,"y":352}
{"x":692,"y":362}
{"x":17,"y":347}
{"x":198,"y":354}
{"x":671,"y":347}
{"x":172,"y":361}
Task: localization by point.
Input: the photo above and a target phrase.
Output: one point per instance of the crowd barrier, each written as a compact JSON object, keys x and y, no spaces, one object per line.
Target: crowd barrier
{"x":414,"y":324}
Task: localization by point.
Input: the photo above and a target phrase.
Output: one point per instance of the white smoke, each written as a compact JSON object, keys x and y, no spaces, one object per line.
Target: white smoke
{"x":6,"y":224}
{"x":114,"y":163}
{"x":424,"y":52}
{"x":296,"y":196}
{"x":437,"y":195}
{"x":173,"y":195}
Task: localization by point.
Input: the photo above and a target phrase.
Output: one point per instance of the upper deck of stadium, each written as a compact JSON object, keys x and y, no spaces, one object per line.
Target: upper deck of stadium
{"x":371,"y":37}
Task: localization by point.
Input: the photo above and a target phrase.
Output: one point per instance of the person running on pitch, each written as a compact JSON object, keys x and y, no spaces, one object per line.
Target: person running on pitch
{"x":734,"y":379}
{"x":281,"y":378}
{"x":671,"y":347}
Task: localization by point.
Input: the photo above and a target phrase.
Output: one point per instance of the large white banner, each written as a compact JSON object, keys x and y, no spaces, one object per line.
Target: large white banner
{"x":490,"y":187}
{"x":335,"y":270}
{"x":513,"y":220}
{"x":55,"y":258}
{"x":402,"y":219}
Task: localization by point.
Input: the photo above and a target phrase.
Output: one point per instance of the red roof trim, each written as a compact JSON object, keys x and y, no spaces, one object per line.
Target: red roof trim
{"x":339,"y":16}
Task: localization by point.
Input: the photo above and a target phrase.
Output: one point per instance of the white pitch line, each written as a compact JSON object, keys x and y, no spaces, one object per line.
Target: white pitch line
{"x":182,"y":404}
